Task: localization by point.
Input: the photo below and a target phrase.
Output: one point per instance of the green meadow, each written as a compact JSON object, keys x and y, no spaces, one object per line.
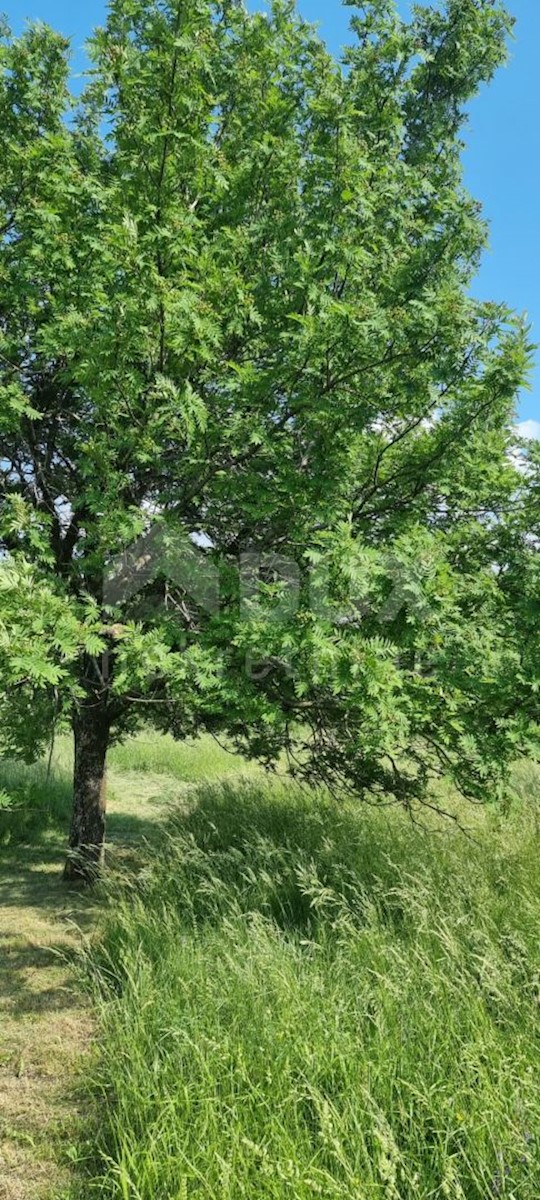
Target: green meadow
{"x":295,"y":998}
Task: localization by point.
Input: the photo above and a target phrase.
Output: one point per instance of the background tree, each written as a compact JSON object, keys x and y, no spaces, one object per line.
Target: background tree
{"x":234,"y":302}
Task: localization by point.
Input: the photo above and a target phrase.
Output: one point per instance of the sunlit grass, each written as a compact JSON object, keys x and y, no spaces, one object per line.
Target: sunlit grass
{"x":188,"y":762}
{"x":36,"y":800}
{"x":32,"y":802}
{"x":299,"y":1000}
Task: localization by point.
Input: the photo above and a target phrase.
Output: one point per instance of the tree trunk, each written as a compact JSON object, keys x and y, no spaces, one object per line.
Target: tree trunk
{"x":87,"y":837}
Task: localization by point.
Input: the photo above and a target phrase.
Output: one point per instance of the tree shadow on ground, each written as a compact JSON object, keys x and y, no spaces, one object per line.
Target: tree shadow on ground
{"x":38,"y":916}
{"x":34,"y":980}
{"x":130,"y":829}
{"x":31,"y":877}
{"x":42,"y":919}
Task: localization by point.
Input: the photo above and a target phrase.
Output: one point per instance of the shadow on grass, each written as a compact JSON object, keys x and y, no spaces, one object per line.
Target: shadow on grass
{"x":22,"y":991}
{"x":303,"y":859}
{"x":31,"y":877}
{"x":131,"y":830}
{"x":39,"y":912}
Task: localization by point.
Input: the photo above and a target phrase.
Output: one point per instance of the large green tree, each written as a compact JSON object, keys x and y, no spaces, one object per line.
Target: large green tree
{"x":234,"y":303}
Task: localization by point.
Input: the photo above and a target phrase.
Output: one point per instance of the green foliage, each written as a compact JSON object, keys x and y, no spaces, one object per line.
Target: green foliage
{"x":42,"y":637}
{"x":304,"y":1000}
{"x":235,"y":286}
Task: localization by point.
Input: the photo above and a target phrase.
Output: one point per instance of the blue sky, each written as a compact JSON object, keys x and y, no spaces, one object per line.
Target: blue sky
{"x":502,"y":158}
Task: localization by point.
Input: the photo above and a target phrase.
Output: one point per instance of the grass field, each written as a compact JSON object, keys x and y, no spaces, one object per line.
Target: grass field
{"x":295,"y":999}
{"x":299,"y":1000}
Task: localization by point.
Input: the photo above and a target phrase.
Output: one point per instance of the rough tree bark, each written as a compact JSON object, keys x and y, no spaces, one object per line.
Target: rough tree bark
{"x":91,"y":728}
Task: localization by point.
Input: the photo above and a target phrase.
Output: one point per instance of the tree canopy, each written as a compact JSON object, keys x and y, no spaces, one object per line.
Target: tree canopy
{"x":235,"y":307}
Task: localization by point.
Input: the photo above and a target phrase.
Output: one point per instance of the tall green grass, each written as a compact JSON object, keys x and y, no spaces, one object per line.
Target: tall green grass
{"x":301,"y":1000}
{"x":188,"y":762}
{"x":33,"y":802}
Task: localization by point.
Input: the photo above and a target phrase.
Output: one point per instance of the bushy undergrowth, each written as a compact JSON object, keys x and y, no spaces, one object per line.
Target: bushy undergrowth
{"x":300,"y":1000}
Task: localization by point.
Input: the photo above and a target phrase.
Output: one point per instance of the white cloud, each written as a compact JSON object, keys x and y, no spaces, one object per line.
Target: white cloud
{"x":529,"y":430}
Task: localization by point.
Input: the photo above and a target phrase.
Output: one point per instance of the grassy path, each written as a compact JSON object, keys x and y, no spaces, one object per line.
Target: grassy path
{"x":46,"y":1027}
{"x":44,"y":1023}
